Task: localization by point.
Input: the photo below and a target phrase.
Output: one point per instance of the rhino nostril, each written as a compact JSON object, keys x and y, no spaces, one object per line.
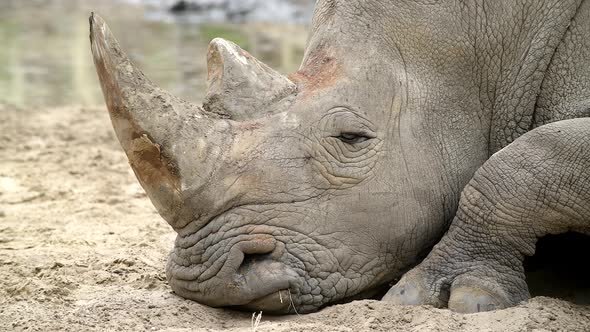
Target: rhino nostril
{"x":246,"y":252}
{"x":253,"y":259}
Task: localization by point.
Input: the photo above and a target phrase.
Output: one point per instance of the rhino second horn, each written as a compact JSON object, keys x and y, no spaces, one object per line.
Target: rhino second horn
{"x":149,"y":122}
{"x":240,"y":86}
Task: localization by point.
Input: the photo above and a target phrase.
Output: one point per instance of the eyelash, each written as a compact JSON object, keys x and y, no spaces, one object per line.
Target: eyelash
{"x":353,"y":138}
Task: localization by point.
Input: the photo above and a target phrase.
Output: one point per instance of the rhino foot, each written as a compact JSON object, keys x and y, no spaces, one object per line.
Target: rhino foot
{"x":469,"y":289}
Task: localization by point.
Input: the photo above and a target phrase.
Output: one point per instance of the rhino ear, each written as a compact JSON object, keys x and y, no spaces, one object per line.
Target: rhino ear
{"x":240,"y":86}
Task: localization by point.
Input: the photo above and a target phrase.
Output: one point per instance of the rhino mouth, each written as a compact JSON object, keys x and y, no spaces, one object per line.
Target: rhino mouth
{"x":277,"y":302}
{"x":236,"y":260}
{"x":246,"y":280}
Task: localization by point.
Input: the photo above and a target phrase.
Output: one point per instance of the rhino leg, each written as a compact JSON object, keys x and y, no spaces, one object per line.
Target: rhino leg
{"x":538,"y":185}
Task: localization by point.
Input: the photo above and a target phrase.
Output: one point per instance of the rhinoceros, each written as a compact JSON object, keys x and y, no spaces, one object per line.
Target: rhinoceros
{"x":406,"y":119}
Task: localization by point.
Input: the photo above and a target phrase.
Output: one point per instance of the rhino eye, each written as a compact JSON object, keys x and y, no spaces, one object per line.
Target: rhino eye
{"x":353,"y":138}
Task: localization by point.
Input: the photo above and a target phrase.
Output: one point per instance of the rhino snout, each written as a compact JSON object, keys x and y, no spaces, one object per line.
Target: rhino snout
{"x":250,"y":277}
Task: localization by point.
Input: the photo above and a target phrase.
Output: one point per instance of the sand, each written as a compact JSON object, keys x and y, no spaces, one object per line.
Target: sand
{"x":82,"y":248}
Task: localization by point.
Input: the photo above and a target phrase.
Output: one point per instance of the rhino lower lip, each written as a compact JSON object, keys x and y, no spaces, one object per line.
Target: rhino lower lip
{"x":277,"y":302}
{"x":264,"y":276}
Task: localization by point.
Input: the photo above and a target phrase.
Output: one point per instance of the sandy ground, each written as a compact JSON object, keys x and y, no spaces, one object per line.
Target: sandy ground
{"x":81,"y":248}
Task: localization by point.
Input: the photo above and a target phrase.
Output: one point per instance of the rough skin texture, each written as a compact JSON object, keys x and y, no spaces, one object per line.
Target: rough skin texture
{"x":537,"y":185}
{"x":339,"y":180}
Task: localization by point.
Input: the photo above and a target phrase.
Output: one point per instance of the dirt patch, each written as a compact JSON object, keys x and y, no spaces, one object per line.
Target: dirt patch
{"x":82,"y":248}
{"x":319,"y":72}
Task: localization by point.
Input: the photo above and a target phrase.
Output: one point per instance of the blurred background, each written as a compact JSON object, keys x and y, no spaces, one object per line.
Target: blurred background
{"x":45,"y":57}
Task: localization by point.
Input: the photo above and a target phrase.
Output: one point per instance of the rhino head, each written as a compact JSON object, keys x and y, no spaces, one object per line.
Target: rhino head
{"x":287,"y":193}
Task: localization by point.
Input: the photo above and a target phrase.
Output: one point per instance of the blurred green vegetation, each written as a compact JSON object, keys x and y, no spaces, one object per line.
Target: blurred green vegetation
{"x":8,"y":33}
{"x":229,"y":32}
{"x":45,"y":57}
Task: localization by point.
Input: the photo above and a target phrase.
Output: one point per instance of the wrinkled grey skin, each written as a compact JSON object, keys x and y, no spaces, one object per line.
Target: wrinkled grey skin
{"x":289,"y":193}
{"x":538,"y":185}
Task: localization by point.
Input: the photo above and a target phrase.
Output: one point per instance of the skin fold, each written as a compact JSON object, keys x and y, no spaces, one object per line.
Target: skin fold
{"x":538,"y":185}
{"x":289,"y":193}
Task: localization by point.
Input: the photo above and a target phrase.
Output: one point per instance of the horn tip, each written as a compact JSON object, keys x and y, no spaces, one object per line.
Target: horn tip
{"x":223,"y":45}
{"x":100,"y":36}
{"x":218,"y":41}
{"x":96,"y":22}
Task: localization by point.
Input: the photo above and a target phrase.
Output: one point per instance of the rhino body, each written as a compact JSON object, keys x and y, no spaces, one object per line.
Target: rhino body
{"x":290,"y":193}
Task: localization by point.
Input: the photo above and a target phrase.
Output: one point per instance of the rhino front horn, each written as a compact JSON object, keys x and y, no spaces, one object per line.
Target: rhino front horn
{"x":156,"y":130}
{"x":240,"y":86}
